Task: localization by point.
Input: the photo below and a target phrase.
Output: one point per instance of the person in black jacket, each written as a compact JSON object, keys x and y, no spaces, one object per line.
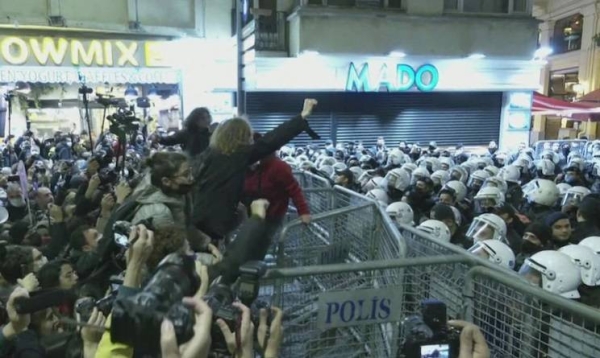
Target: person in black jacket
{"x":220,"y":171}
{"x":195,"y":135}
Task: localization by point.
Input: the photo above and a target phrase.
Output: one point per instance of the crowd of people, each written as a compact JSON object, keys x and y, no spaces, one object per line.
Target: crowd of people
{"x":217,"y":195}
{"x":535,"y":213}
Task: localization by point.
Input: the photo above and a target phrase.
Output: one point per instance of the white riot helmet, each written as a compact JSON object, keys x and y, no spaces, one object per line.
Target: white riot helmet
{"x":488,"y":197}
{"x":575,"y":194}
{"x":577,"y":162}
{"x":306,"y":165}
{"x":328,"y":161}
{"x":401,"y":213}
{"x":510,"y":174}
{"x":487,"y":227}
{"x":469,"y":166}
{"x":327,"y":170}
{"x":398,"y":179}
{"x":409,"y":167}
{"x":431,"y":164}
{"x":494,"y":251}
{"x":542,"y":192}
{"x":593,"y":242}
{"x":524,"y":162}
{"x":357,"y":171}
{"x":364,"y":178}
{"x":459,"y":189}
{"x":303,"y":158}
{"x":437,"y":229}
{"x":418,"y":174}
{"x":440,"y":177}
{"x":374,"y":183}
{"x":554,"y":272}
{"x":477,"y":178}
{"x":446,"y":163}
{"x":492,"y":170}
{"x":496,"y":182}
{"x":396,"y":157}
{"x":459,"y":173}
{"x":291,"y":162}
{"x":563,"y":188}
{"x":550,"y":155}
{"x":457,"y":216}
{"x":378,"y":195}
{"x":339,"y":167}
{"x":545,"y":166}
{"x":587,"y":261}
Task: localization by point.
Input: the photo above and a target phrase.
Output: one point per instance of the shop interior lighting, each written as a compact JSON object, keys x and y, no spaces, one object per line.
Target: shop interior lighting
{"x":22,"y":87}
{"x":397,"y":54}
{"x":477,"y":56}
{"x":131,"y":93}
{"x":542,"y":53}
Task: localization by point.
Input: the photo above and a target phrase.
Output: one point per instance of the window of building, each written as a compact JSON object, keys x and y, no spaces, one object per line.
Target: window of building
{"x":567,"y":34}
{"x":489,"y":6}
{"x":393,"y":4}
{"x":563,"y":85}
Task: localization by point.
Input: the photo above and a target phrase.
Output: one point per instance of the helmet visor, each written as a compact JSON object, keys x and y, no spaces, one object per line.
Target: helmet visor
{"x":479,"y":250}
{"x":572,"y":199}
{"x":481,"y":231}
{"x":530,"y":273}
{"x":485,"y":205}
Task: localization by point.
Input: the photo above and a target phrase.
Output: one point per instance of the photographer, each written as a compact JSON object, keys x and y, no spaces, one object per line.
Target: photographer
{"x":220,"y":170}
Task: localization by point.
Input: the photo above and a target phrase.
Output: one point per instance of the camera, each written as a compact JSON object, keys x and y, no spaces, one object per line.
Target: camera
{"x":108,"y":176}
{"x":136,"y":320}
{"x":427,"y":335}
{"x":86,"y":305}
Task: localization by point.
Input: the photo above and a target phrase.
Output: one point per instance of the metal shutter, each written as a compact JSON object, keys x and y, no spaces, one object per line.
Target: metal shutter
{"x":447,"y":118}
{"x":266,"y":110}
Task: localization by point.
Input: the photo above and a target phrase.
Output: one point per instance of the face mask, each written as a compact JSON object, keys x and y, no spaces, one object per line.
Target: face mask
{"x":17,"y":202}
{"x":529,"y":248}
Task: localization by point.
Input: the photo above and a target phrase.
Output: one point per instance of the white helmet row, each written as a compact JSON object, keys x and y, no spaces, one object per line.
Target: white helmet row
{"x":373,"y":183}
{"x":545,"y":166}
{"x":437,"y":229}
{"x":554,"y":272}
{"x":459,"y":189}
{"x":494,"y":251}
{"x":459,"y":173}
{"x":401,"y":212}
{"x":440,"y":177}
{"x":488,"y":197}
{"x":575,"y":194}
{"x":379,"y":195}
{"x":562,"y":189}
{"x":487,"y":227}
{"x":510,"y":174}
{"x":496,"y":182}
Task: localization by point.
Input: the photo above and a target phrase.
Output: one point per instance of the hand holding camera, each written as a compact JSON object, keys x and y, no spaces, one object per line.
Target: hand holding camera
{"x":92,"y":186}
{"x":56,"y":213}
{"x":245,"y":349}
{"x":107,"y":204}
{"x":199,"y":345}
{"x":92,"y":333}
{"x":472,"y":342}
{"x":17,"y":322}
{"x":309,"y":105}
{"x":140,"y":245}
{"x":270,"y":337}
{"x":122,"y":191}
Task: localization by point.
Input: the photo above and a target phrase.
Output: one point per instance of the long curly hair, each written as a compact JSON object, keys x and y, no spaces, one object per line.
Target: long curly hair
{"x":231,"y":135}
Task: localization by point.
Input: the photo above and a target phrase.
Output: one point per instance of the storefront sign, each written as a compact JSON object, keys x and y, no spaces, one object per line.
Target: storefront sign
{"x":89,"y":74}
{"x":398,"y":78}
{"x":51,"y":51}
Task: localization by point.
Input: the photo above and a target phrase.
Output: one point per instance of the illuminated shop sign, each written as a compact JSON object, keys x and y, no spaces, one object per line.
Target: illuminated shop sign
{"x":58,"y":51}
{"x":56,"y":74}
{"x":398,"y":78}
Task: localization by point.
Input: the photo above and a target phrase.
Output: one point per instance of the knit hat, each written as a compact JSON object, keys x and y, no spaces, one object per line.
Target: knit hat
{"x":541,"y":231}
{"x":554,"y":217}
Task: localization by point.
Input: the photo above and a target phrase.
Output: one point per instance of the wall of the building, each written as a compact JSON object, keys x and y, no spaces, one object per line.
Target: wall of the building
{"x":201,"y":18}
{"x":423,"y":29}
{"x":585,"y":61}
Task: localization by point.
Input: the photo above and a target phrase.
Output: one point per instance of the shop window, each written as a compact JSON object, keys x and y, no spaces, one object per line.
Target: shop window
{"x":488,"y":6}
{"x":520,"y":6}
{"x":567,"y":34}
{"x":563,"y":85}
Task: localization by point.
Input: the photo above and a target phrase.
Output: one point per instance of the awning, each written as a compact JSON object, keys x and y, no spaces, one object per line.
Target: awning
{"x":592,"y":97}
{"x":544,"y":105}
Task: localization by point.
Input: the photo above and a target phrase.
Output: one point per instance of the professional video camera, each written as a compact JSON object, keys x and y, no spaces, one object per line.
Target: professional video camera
{"x":136,"y":320}
{"x":123,"y":121}
{"x":85,"y":306}
{"x":428,"y":335}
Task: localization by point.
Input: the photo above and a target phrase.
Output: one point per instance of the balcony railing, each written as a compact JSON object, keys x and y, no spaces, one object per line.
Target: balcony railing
{"x":269,"y":32}
{"x":373,"y":4}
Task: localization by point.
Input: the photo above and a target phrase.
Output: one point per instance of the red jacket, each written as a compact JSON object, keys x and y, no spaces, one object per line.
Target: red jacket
{"x":277,"y":185}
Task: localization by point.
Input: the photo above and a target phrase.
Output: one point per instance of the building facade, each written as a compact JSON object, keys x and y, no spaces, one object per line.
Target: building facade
{"x":412,"y":70}
{"x":570,"y":28}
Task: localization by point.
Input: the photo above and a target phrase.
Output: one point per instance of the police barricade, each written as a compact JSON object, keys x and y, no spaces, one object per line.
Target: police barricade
{"x":350,"y":234}
{"x":523,"y":321}
{"x":351,"y":309}
{"x":308,"y":180}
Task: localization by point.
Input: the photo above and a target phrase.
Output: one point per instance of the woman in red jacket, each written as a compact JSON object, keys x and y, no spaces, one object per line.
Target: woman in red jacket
{"x":272,"y":179}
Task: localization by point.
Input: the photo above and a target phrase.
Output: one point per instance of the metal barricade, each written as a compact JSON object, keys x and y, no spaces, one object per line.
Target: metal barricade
{"x":523,"y":321}
{"x":309,"y":180}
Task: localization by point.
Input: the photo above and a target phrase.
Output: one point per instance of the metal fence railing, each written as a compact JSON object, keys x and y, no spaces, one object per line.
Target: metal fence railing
{"x":331,"y":274}
{"x":309,"y":180}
